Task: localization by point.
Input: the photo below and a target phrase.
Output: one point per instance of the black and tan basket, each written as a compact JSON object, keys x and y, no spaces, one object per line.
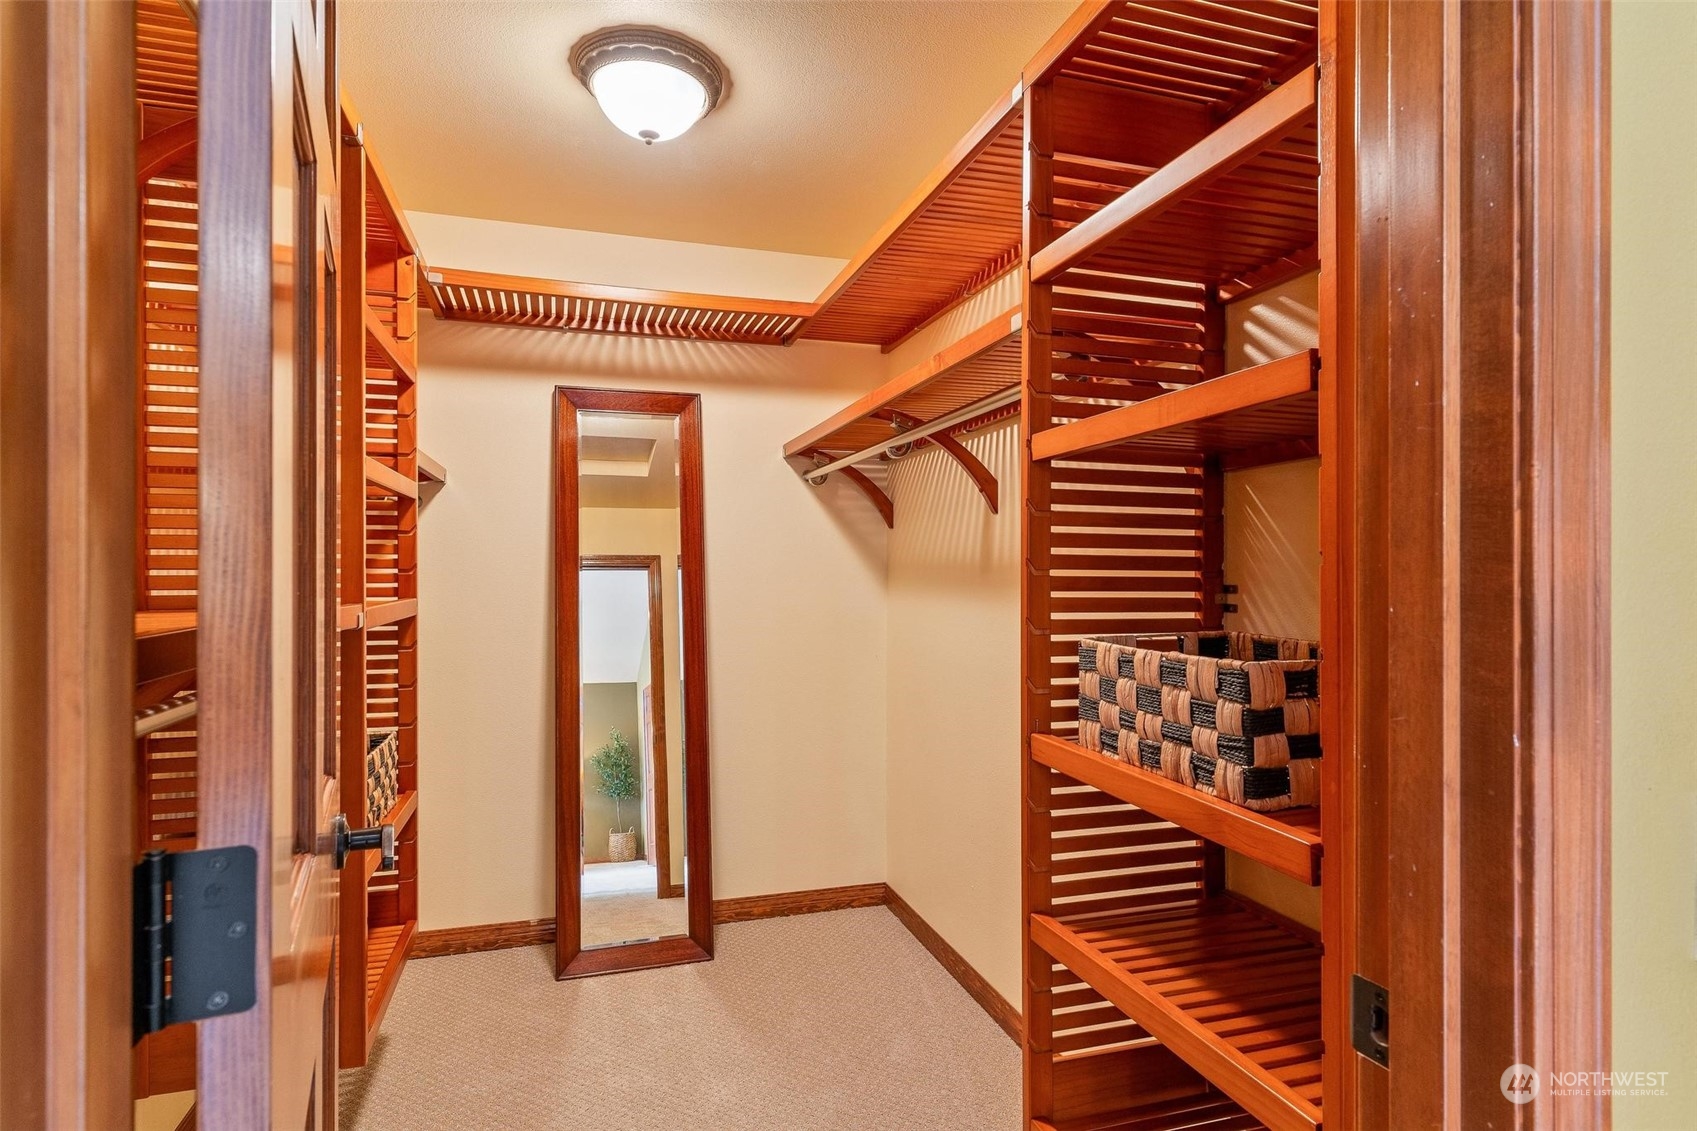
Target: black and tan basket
{"x":382,"y":773}
{"x":1229,"y":713}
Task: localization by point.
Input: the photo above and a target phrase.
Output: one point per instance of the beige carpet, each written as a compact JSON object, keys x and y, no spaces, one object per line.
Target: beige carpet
{"x":832,"y":1022}
{"x":623,"y":916}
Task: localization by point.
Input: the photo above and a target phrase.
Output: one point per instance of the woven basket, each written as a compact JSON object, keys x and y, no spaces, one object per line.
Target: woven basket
{"x":1228,"y":713}
{"x":621,"y":847}
{"x":382,"y":773}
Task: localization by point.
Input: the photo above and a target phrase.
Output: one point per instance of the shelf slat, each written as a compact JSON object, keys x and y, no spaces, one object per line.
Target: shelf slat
{"x":1240,"y":139}
{"x":1232,"y":994}
{"x":386,"y":950}
{"x":1287,"y":841}
{"x":380,"y":474}
{"x":1255,"y":407}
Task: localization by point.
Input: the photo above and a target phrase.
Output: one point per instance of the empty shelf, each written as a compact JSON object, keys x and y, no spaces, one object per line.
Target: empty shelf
{"x":557,"y":304}
{"x":1241,"y":139}
{"x":1233,"y":994}
{"x":380,"y":613}
{"x":386,"y":950}
{"x":1260,"y":410}
{"x":956,"y":232}
{"x":1288,"y":840}
{"x":983,"y":363}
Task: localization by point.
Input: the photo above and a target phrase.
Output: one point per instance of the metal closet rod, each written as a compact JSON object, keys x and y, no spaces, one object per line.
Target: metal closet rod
{"x":941,"y":424}
{"x":169,"y":713}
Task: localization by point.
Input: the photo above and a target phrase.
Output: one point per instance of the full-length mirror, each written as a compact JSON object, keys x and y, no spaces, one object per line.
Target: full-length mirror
{"x":632,"y":886}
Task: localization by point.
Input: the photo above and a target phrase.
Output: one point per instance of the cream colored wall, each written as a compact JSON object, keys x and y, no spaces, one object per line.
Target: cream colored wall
{"x":607,"y":706}
{"x":1654,"y":316}
{"x":954,"y":748}
{"x":658,"y":531}
{"x":795,"y":610}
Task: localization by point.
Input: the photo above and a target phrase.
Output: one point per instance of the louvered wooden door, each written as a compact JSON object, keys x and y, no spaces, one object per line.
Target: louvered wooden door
{"x":267,"y":163}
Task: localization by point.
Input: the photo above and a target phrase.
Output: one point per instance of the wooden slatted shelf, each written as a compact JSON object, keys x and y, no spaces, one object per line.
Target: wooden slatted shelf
{"x":381,"y":475}
{"x":380,"y":613}
{"x":1241,"y":139}
{"x":1287,"y":840}
{"x":1264,"y":409}
{"x":984,"y":362}
{"x":1232,"y":993}
{"x":1209,"y":1112}
{"x":957,"y":231}
{"x":556,"y":304}
{"x":384,"y":350}
{"x":386,"y":950}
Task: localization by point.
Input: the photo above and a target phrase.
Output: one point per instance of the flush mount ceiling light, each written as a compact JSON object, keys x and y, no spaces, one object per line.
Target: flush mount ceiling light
{"x":652,"y":84}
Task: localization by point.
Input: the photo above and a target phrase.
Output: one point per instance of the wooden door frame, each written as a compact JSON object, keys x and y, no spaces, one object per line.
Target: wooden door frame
{"x":1471,"y":252}
{"x":650,"y":565}
{"x":570,"y":959}
{"x":67,"y":577}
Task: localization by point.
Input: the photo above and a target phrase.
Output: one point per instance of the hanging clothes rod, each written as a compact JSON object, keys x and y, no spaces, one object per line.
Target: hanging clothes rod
{"x":169,"y":713}
{"x":816,"y":475}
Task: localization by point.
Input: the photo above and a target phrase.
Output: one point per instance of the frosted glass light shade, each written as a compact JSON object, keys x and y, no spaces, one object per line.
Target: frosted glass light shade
{"x":649,"y":100}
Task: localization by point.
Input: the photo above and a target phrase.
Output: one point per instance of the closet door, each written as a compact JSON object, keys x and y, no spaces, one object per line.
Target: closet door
{"x":268,"y":168}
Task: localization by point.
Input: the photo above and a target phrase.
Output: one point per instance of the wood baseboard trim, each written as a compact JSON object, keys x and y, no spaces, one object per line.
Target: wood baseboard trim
{"x":1001,"y":1011}
{"x":784,"y":903}
{"x":487,"y":936}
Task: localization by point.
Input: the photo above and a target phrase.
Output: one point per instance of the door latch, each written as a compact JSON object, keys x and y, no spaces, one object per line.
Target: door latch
{"x":194,"y":919}
{"x":1370,"y":1020}
{"x":346,"y":840}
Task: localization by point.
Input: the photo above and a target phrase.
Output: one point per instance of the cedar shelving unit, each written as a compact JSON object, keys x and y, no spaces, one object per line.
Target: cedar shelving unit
{"x":377,"y":639}
{"x":972,"y":382}
{"x":1172,"y":168}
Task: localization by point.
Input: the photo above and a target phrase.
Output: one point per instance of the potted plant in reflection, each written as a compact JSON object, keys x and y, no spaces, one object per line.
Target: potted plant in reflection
{"x":616,"y":766}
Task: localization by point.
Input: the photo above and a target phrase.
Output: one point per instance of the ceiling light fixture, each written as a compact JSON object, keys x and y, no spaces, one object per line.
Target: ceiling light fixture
{"x":652,"y":84}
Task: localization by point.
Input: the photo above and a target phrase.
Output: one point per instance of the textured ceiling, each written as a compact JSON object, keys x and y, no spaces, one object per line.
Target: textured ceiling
{"x":836,"y":110}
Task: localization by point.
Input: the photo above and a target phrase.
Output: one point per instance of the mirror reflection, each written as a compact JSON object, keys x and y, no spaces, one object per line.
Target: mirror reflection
{"x":631,"y":689}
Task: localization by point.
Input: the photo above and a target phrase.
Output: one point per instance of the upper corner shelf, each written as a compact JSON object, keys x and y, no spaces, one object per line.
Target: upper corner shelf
{"x":554,"y":304}
{"x":1262,"y":414}
{"x":954,"y":234}
{"x":384,"y":219}
{"x":1242,"y":198}
{"x":1287,"y":841}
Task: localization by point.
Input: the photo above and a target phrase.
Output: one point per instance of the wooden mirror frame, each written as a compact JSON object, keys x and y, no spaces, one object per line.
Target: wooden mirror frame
{"x":571,"y":960}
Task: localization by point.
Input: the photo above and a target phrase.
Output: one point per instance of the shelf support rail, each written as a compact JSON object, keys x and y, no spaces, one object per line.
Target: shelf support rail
{"x":901,"y":440}
{"x":150,"y":720}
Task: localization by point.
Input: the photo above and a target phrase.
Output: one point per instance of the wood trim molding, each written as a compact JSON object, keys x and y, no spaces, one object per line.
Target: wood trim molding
{"x":781,"y":904}
{"x":1000,"y":1009}
{"x":488,"y":936}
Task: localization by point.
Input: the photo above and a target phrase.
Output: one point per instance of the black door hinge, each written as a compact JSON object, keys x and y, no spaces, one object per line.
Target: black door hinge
{"x":195,"y":915}
{"x":1370,"y":1020}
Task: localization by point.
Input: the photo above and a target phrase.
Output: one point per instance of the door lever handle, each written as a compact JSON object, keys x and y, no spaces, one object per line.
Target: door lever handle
{"x":379,"y":837}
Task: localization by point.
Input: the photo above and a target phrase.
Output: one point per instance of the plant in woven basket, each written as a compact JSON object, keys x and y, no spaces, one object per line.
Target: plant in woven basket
{"x":616,"y":766}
